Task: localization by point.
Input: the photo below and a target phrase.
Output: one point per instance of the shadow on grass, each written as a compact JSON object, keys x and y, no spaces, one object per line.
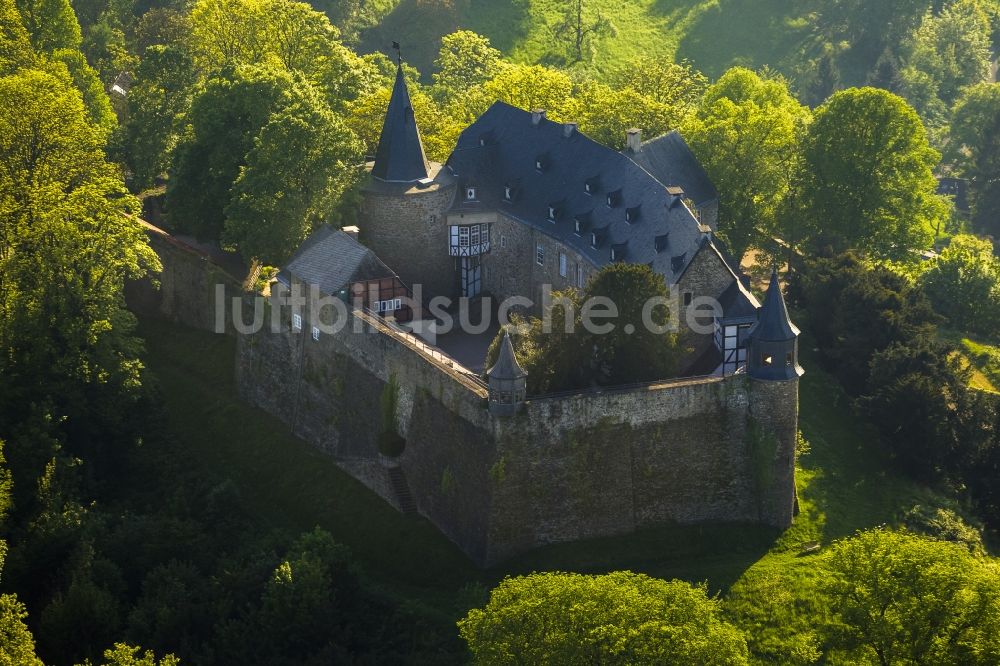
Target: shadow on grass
{"x":749,"y":33}
{"x":419,"y":25}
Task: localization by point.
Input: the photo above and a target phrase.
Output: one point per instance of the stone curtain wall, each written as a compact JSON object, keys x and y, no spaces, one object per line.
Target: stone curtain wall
{"x":186,"y":291}
{"x":592,"y":465}
{"x":564,"y":468}
{"x":330,"y":393}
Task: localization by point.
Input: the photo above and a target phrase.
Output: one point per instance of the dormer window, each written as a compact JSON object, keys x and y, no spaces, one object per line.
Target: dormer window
{"x":577,"y":227}
{"x":613,"y":198}
{"x":614,"y":252}
{"x":508,"y":193}
{"x":541,"y":162}
{"x":662,"y":242}
{"x":631,"y":214}
{"x":553,"y":213}
{"x":595,"y":240}
{"x":470,"y":193}
{"x":586,"y":187}
{"x":618,"y":251}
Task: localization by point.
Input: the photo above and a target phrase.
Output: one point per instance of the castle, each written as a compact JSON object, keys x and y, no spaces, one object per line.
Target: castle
{"x":524,"y":202}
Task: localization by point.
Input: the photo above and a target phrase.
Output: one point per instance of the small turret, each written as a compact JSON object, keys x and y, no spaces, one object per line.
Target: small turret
{"x":400,"y":156}
{"x":774,"y":339}
{"x":507,"y":380}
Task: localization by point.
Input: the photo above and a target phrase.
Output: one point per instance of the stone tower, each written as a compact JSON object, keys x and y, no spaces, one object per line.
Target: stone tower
{"x":507,"y":381}
{"x":404,"y":200}
{"x":774,"y":370}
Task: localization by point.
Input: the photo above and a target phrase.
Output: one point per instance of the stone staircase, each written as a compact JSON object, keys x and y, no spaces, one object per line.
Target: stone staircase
{"x":401,"y":489}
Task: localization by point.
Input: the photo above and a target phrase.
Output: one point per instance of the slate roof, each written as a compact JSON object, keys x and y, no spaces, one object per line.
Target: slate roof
{"x":506,"y":366}
{"x":333,"y":260}
{"x":669,"y":159}
{"x":738,"y":303}
{"x":503,"y":148}
{"x":400,"y":155}
{"x":773,"y":324}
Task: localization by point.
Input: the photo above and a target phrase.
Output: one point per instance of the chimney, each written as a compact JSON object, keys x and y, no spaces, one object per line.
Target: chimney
{"x":676,"y":195}
{"x":537,"y":116}
{"x":569,"y":129}
{"x":352,"y":231}
{"x":633,"y":140}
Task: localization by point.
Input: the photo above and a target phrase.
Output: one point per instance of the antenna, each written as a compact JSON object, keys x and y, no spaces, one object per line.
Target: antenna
{"x":399,"y":57}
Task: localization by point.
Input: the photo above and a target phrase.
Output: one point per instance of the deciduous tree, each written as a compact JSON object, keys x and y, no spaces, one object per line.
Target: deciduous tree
{"x":866,"y":179}
{"x":618,"y":618}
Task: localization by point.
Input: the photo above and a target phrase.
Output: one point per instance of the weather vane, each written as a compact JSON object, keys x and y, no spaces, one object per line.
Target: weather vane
{"x":399,"y":57}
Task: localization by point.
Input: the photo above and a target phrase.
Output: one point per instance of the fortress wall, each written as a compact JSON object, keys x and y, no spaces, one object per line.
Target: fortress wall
{"x":593,"y":465}
{"x":186,"y":292}
{"x":330,"y":392}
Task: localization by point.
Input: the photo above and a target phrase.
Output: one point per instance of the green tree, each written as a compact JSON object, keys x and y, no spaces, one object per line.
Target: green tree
{"x":747,"y":135}
{"x":15,"y":46}
{"x":952,"y":48}
{"x":17,"y":645}
{"x":977,"y":106}
{"x":225,"y":117}
{"x":51,"y":24}
{"x":866,"y":179}
{"x":99,"y":111}
{"x":903,"y":599}
{"x":560,"y":352}
{"x":67,"y":246}
{"x":963,"y":283}
{"x":618,"y":618}
{"x":302,"y":161}
{"x":465,"y":60}
{"x":159,"y":98}
{"x":677,"y":85}
{"x":579,"y":29}
{"x":127,"y":655}
{"x":870,"y":27}
{"x":885,"y":74}
{"x":523,"y":86}
{"x":826,"y":80}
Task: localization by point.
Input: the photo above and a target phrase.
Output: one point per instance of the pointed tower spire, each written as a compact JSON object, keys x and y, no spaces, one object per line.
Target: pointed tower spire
{"x":507,"y":380}
{"x":774,"y":339}
{"x":400,"y":155}
{"x":773,"y":323}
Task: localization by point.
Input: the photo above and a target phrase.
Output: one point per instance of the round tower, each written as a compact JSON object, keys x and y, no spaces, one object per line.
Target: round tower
{"x":774,"y":371}
{"x":508,"y":382}
{"x":404,"y":201}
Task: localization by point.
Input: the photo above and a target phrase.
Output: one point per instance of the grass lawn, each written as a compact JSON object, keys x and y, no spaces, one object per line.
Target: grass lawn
{"x":843,"y":486}
{"x":981,"y":357}
{"x":713,"y":34}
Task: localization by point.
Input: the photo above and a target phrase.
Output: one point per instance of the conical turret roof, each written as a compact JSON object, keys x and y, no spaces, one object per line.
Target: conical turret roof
{"x":506,"y":366}
{"x":400,"y":155}
{"x":773,"y":323}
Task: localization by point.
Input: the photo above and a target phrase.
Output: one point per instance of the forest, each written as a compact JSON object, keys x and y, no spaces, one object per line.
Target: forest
{"x":148,"y":517}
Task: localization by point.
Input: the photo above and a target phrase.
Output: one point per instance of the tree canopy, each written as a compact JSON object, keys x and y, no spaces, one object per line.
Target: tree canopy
{"x":866,"y":179}
{"x":618,"y":618}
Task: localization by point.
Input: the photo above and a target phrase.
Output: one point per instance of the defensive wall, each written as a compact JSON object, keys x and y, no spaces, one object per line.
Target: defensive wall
{"x":563,"y":467}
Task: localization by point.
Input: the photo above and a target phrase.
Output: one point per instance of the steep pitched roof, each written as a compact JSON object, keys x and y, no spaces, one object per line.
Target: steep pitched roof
{"x":333,"y":260}
{"x":773,"y":323}
{"x":506,"y":366}
{"x":400,"y":155}
{"x":503,"y":149}
{"x":669,"y":159}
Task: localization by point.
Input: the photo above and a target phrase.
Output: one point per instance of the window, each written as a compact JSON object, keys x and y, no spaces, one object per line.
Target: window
{"x":470,"y":193}
{"x":628,"y":216}
{"x":593,"y":239}
{"x":503,"y":241}
{"x":539,"y":163}
{"x":579,"y":276}
{"x":767,"y":360}
{"x":297,"y":322}
{"x":540,"y":255}
{"x":687,"y":297}
{"x":508,"y":193}
{"x":587,"y":187}
{"x":474,"y":234}
{"x":463,"y":236}
{"x":388,"y":305}
{"x":562,"y":264}
{"x":553,"y":212}
{"x":577,"y":226}
{"x":316,"y":333}
{"x":789,"y":359}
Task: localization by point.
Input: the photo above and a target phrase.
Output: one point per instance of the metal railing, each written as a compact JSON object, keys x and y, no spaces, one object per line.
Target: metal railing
{"x":441,"y":359}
